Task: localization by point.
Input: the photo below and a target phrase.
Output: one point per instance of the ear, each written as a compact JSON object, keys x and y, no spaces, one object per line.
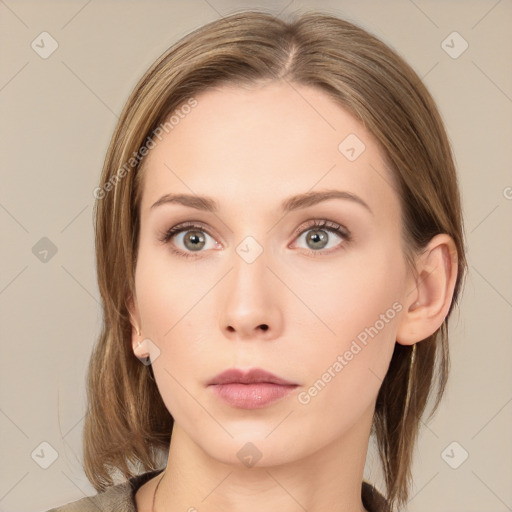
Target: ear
{"x":430,"y":292}
{"x":138,"y":343}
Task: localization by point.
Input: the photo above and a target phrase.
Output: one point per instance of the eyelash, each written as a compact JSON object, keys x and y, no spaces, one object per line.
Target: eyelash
{"x":332,"y":227}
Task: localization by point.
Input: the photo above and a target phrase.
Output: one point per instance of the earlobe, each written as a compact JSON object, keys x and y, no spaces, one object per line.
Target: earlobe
{"x":138,"y":348}
{"x":429,"y":300}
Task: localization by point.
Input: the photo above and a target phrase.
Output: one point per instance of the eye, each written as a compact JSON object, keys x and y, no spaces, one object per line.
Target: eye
{"x":191,"y":236}
{"x":318,"y":235}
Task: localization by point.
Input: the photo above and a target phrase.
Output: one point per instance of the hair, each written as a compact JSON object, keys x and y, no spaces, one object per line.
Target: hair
{"x":126,"y":420}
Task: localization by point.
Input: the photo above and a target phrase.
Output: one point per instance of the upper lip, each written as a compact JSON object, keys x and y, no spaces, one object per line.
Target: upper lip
{"x":236,"y":375}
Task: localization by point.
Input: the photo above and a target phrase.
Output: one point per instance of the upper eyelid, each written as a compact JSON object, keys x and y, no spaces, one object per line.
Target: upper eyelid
{"x":321,"y":223}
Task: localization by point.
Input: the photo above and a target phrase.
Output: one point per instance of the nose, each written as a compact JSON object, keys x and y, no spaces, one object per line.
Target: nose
{"x":250,"y":301}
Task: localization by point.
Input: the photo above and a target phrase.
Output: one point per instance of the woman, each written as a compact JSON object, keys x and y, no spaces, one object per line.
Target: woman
{"x":279,"y":247}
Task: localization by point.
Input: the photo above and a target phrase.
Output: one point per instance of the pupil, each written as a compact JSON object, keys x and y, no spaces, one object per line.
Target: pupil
{"x":318,"y":237}
{"x":194,"y":240}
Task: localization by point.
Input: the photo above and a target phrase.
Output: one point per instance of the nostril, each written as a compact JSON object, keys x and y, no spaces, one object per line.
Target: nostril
{"x":264,"y":327}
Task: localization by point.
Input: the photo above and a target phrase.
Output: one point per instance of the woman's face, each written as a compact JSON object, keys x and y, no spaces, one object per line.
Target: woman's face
{"x":263,"y":280}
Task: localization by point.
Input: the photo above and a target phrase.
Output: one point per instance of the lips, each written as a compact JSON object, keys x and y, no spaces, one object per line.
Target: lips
{"x":252,"y":376}
{"x":253,"y":389}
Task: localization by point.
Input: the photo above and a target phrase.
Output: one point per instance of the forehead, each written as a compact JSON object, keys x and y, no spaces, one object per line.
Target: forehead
{"x":263,"y":144}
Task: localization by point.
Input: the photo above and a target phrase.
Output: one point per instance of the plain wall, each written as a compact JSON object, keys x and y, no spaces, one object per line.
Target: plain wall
{"x":57,"y":117}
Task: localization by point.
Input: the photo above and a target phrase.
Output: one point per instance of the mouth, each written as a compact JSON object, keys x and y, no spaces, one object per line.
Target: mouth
{"x":254,"y":389}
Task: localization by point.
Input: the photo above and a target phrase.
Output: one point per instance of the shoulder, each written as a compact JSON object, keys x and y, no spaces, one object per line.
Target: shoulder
{"x":372,"y":499}
{"x":117,"y":498}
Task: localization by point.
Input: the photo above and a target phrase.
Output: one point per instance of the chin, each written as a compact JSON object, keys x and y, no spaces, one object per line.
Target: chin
{"x":252,"y":446}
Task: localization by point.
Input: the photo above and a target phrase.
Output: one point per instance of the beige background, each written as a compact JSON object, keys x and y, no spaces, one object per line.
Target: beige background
{"x":57,"y":117}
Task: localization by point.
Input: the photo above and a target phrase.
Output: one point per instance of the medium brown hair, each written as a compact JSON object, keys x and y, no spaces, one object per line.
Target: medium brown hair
{"x":127,"y":422}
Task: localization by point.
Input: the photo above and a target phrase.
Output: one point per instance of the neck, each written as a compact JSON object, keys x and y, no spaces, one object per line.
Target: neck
{"x":324,"y":481}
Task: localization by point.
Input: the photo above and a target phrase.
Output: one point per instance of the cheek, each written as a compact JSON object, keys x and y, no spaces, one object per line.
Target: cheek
{"x":357,"y":310}
{"x":167,"y":290}
{"x":349,"y":296}
{"x":164,"y":301}
{"x":174,"y":308}
{"x":344,"y":375}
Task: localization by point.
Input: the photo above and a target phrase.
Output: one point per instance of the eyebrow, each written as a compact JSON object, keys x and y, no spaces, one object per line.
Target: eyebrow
{"x":292,"y":203}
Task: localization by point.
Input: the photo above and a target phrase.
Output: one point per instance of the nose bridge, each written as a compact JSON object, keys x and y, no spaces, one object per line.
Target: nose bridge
{"x":250,"y":305}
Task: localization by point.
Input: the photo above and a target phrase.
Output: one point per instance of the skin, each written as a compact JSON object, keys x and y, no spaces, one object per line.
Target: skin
{"x":249,"y":150}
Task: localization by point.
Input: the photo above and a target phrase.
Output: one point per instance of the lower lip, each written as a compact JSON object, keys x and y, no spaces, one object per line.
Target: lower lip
{"x":251,"y":396}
